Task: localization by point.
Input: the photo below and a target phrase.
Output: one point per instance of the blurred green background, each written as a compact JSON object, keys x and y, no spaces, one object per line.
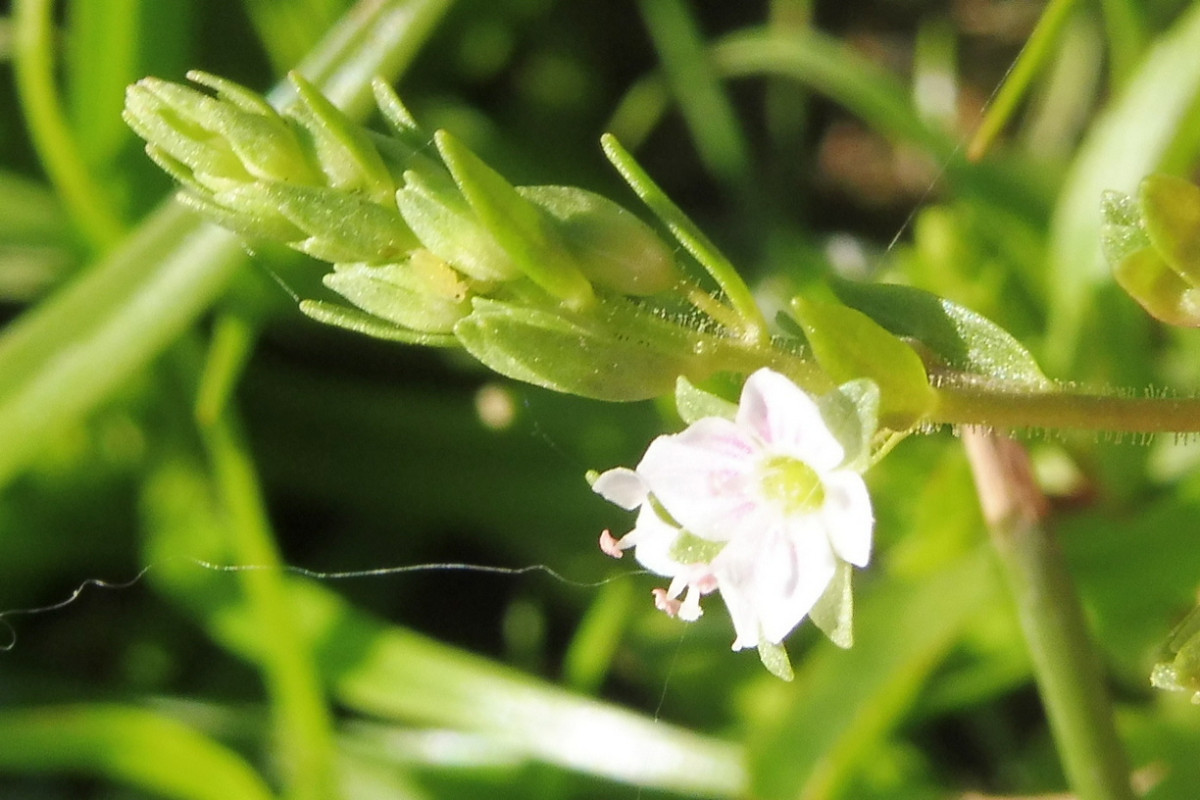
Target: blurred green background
{"x":162,"y":402}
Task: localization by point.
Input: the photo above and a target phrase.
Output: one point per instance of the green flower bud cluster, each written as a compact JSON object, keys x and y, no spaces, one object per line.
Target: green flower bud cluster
{"x":307,"y":177}
{"x":1152,"y":243}
{"x":553,"y":285}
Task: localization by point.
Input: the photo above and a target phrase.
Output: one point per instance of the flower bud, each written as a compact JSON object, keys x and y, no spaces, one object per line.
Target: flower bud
{"x":308,"y":177}
{"x":520,"y":227}
{"x":337,"y":226}
{"x":347,"y":157}
{"x":216,"y":141}
{"x":1171,"y":210}
{"x":611,"y":246}
{"x":422,"y":293}
{"x":442,"y":219}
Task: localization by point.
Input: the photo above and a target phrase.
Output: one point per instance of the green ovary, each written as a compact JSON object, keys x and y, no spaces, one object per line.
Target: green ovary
{"x":792,"y":484}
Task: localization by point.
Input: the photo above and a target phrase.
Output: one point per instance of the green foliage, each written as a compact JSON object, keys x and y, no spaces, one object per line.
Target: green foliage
{"x":316,"y":448}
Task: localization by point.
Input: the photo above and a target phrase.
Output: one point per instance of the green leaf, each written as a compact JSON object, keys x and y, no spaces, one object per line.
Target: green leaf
{"x":962,"y":340}
{"x":130,"y":746}
{"x":352,"y":319}
{"x":695,"y":404}
{"x":849,"y":345}
{"x":1157,"y":288}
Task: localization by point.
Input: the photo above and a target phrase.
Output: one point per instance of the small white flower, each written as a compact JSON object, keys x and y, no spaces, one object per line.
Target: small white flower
{"x":761,"y":507}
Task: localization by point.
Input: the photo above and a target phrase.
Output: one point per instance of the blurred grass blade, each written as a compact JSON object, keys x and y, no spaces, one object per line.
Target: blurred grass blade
{"x":128,"y":746}
{"x":60,"y":360}
{"x":844,"y":701}
{"x":302,"y":725}
{"x":821,"y":63}
{"x":1033,"y":56}
{"x":1125,"y":24}
{"x":34,"y":68}
{"x":1150,"y":122}
{"x":695,"y":83}
{"x":109,"y":44}
{"x":288,"y":29}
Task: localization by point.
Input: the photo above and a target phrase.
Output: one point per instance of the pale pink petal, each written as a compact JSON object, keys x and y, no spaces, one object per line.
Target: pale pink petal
{"x":704,"y":477}
{"x":793,"y":577}
{"x":771,"y":581}
{"x":787,"y":420}
{"x":621,"y":486}
{"x":847,"y":516}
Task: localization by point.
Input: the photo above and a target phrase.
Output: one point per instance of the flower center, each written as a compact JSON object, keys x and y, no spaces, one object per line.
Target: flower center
{"x":792,"y":484}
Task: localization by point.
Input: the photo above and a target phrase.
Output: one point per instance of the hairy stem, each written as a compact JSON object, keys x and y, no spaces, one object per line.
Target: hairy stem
{"x":1065,"y":664}
{"x":1064,"y":410}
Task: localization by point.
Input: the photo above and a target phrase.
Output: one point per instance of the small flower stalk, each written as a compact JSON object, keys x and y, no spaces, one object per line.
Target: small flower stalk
{"x":763,"y":502}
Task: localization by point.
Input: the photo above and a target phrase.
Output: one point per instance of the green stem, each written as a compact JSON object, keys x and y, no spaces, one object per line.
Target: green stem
{"x":1065,"y":664}
{"x":33,"y":62}
{"x":302,"y":720}
{"x":1064,"y":410}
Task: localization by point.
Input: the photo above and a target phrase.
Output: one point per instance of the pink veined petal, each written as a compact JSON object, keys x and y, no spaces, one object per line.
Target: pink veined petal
{"x":794,"y":576}
{"x":734,"y":569}
{"x":847,"y":516}
{"x":621,"y":486}
{"x":787,"y":420}
{"x":704,"y":477}
{"x":770,"y":582}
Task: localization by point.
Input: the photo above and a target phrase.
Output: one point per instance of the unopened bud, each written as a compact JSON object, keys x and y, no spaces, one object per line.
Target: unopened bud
{"x":611,"y":246}
{"x":422,"y":293}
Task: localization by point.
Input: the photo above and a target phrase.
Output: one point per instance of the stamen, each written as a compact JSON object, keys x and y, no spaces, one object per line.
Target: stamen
{"x":610,"y":545}
{"x":663,"y":602}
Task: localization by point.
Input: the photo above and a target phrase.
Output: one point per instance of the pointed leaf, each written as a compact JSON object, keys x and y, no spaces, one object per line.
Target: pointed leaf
{"x":568,"y":353}
{"x":962,"y":339}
